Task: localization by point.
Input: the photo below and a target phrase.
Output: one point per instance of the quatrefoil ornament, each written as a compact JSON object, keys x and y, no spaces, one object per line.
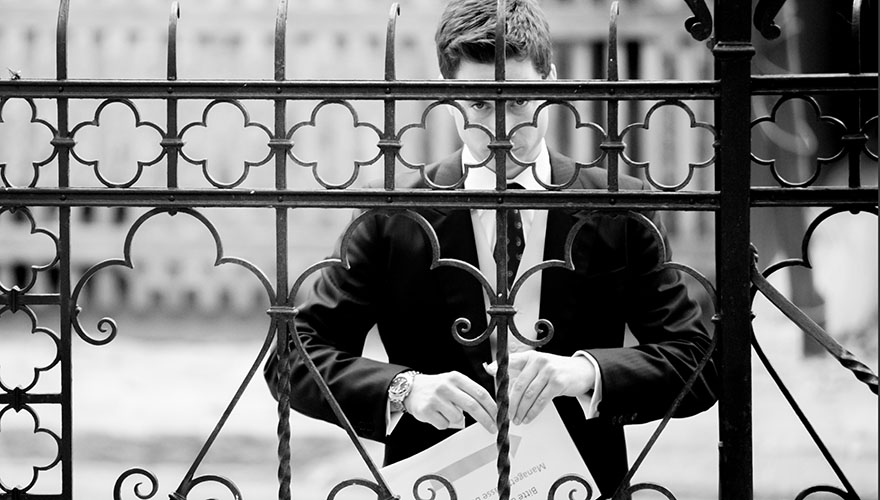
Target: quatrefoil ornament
{"x":209,"y":164}
{"x":116,"y":149}
{"x":23,"y":447}
{"x":11,"y":130}
{"x":422,"y":127}
{"x":312,"y":125}
{"x":30,"y":241}
{"x":693,"y":123}
{"x":24,"y":348}
{"x":837,"y":127}
{"x":579,"y":127}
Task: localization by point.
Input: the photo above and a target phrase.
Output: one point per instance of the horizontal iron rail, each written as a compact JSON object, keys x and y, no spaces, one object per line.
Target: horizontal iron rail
{"x":426,"y":90}
{"x":30,"y":496}
{"x":29,"y":398}
{"x":816,"y":83}
{"x":375,"y":198}
{"x":357,"y":198}
{"x":358,"y":89}
{"x":819,"y":196}
{"x":35,"y":299}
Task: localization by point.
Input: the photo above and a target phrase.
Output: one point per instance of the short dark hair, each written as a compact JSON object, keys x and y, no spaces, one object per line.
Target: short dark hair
{"x":467,"y":31}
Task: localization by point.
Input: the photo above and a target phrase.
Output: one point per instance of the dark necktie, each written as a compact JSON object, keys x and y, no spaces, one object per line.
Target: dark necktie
{"x":515,"y":239}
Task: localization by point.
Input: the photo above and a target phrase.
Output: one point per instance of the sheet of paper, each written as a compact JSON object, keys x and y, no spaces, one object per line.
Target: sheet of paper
{"x":541,"y":453}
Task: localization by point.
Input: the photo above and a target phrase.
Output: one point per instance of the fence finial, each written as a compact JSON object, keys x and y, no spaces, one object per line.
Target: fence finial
{"x":61,"y":40}
{"x":280,"y":40}
{"x":390,"y":73}
{"x":856,"y":37}
{"x":612,"y":42}
{"x":172,"y":41}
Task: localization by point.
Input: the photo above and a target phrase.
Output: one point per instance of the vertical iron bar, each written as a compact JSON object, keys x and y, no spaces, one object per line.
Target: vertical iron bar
{"x":855,"y":139}
{"x":500,"y":147}
{"x":390,"y":143}
{"x":281,"y":249}
{"x":613,"y":146}
{"x":733,"y":54}
{"x":63,"y":142}
{"x":172,"y":142}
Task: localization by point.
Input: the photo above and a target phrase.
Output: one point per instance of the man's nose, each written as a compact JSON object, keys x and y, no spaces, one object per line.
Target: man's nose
{"x":511,"y":119}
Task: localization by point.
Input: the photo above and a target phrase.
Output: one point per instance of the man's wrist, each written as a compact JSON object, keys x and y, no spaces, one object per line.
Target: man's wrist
{"x":399,"y":389}
{"x":590,"y":381}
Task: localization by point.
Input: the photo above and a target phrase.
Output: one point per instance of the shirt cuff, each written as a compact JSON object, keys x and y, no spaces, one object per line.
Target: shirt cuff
{"x":590,"y":401}
{"x":391,"y":418}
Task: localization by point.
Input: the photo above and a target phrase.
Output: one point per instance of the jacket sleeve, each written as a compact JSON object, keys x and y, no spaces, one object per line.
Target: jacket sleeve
{"x":333,"y":322}
{"x":641,"y":382}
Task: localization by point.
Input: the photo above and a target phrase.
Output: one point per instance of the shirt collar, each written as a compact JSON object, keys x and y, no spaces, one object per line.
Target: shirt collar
{"x":482,"y":178}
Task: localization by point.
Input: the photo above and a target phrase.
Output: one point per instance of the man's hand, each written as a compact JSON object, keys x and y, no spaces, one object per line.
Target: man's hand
{"x":538,"y":377}
{"x":441,"y":400}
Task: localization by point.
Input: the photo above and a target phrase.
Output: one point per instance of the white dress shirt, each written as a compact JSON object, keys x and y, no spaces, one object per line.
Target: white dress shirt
{"x":528,"y":299}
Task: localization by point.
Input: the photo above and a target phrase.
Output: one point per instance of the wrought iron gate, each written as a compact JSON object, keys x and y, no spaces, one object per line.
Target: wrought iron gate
{"x":738,"y":278}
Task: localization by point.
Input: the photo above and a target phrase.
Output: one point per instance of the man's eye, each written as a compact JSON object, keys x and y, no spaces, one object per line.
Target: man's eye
{"x":479,"y":105}
{"x":520,"y":102}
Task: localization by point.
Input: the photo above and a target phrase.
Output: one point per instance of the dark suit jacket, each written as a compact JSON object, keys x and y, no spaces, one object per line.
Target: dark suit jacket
{"x":615,"y":282}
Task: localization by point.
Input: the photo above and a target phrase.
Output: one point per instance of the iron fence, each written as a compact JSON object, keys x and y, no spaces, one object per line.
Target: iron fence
{"x":736,"y":282}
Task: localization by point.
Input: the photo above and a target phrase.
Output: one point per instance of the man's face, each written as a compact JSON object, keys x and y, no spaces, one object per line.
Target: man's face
{"x":526,"y":140}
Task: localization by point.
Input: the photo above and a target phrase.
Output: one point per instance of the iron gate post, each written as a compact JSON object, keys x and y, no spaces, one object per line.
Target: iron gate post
{"x":733,"y":53}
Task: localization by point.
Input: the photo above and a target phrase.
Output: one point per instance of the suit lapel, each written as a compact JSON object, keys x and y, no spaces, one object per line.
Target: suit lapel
{"x":555,"y":283}
{"x":461,"y":292}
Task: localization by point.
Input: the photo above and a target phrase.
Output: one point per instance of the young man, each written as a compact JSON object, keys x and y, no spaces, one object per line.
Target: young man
{"x":432,"y":383}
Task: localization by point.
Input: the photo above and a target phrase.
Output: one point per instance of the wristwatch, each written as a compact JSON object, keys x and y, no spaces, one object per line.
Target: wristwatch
{"x":400,"y":387}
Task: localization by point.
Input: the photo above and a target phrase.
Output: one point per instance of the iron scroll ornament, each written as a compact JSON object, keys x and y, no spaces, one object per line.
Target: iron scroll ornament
{"x":557,"y":486}
{"x":624,"y":486}
{"x":764,"y":18}
{"x":108,"y":325}
{"x":544,"y":328}
{"x":807,"y":325}
{"x":459,"y":328}
{"x":759,"y":280}
{"x":700,"y":24}
{"x":462,"y":326}
{"x":153,"y":485}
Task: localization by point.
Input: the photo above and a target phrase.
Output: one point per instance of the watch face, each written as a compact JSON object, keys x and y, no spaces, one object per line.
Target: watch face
{"x":398,"y":386}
